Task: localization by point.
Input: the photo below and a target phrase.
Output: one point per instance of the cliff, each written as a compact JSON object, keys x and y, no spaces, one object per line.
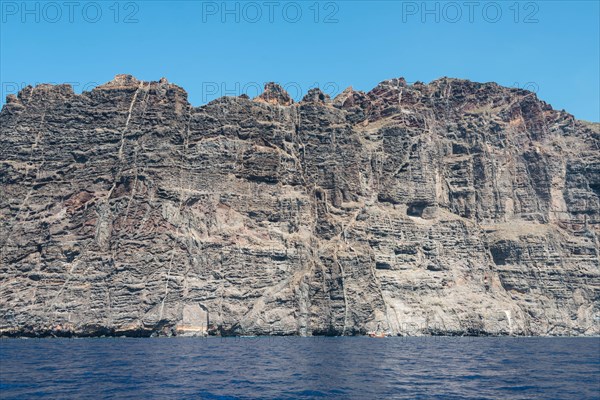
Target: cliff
{"x":451,"y":207}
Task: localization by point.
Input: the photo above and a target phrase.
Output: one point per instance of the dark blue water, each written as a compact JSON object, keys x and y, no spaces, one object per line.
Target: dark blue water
{"x":344,"y":368}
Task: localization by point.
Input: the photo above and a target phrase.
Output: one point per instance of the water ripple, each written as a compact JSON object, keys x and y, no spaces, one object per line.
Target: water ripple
{"x":301,"y":368}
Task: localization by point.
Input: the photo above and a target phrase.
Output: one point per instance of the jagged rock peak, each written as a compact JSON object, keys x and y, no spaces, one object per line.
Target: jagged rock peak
{"x":121,"y":80}
{"x":274,"y":94}
{"x":349,"y":98}
{"x":394,"y":82}
{"x":129,"y":84}
{"x":316,"y":96}
{"x":41,"y":93}
{"x":126,"y":81}
{"x":340,"y":98}
{"x":388,"y":87}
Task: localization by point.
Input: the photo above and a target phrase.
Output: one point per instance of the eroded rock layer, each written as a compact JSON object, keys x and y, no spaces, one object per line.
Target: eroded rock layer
{"x":451,"y":207}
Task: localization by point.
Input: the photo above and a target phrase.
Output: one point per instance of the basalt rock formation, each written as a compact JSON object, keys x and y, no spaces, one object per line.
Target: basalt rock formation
{"x":451,"y":207}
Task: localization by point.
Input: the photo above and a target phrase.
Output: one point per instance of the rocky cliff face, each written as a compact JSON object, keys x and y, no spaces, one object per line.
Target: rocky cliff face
{"x":449,"y":208}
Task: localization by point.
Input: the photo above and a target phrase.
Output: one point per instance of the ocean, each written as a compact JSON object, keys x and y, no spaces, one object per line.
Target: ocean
{"x":301,"y":368}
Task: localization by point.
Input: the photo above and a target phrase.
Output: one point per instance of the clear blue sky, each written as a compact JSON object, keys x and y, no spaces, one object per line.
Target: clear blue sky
{"x":549,"y":46}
